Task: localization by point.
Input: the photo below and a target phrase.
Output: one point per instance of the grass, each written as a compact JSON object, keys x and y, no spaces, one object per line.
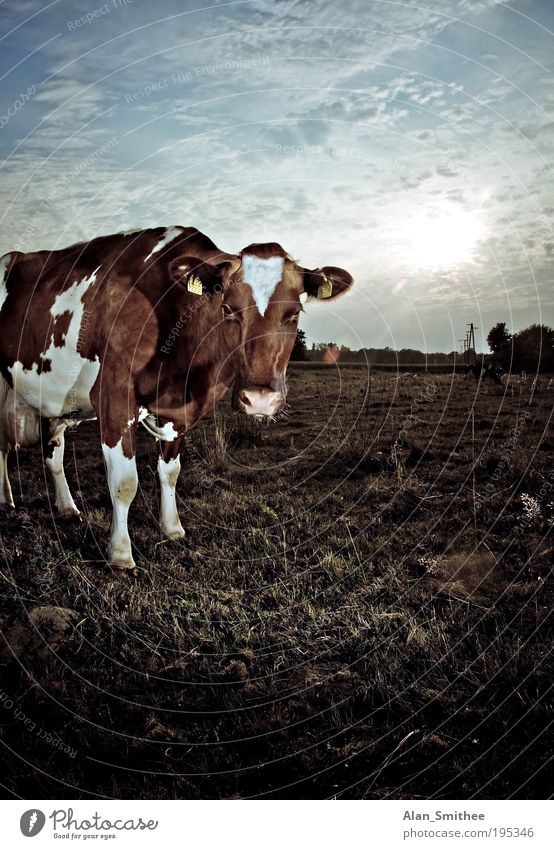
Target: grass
{"x":361,"y":607}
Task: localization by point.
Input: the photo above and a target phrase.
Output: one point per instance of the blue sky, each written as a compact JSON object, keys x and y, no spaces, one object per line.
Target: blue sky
{"x":409,"y":143}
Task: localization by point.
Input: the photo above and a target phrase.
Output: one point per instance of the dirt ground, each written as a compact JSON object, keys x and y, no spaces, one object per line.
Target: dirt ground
{"x":362,"y":607}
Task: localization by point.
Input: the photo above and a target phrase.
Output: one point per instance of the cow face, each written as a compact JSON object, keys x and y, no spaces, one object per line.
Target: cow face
{"x":261,"y":307}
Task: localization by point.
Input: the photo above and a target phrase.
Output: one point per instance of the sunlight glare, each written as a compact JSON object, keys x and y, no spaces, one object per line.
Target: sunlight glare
{"x":445,"y":236}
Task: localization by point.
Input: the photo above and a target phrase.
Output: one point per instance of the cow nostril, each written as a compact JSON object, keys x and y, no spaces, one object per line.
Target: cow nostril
{"x":243,"y":397}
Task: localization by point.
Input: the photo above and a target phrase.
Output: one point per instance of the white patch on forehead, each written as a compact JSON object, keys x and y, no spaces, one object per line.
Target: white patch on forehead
{"x":168,"y":236}
{"x":4,"y":262}
{"x":65,"y":389}
{"x":263,"y":276}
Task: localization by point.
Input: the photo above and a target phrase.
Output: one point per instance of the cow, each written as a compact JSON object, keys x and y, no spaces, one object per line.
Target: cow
{"x":494,"y":373}
{"x":480,"y":371}
{"x":153,"y":327}
{"x":474,"y":370}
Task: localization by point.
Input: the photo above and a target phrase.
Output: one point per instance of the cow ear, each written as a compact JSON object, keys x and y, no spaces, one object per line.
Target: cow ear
{"x":327,"y":282}
{"x":198,"y":277}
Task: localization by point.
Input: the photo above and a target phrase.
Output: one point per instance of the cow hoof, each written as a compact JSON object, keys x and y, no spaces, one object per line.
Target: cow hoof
{"x":69,"y":513}
{"x":120,"y":557}
{"x":123,"y":573}
{"x":121,"y":562}
{"x":174,"y":533}
{"x":122,"y":567}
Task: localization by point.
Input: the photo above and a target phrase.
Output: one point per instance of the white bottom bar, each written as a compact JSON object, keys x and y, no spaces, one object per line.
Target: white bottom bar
{"x":278,"y":824}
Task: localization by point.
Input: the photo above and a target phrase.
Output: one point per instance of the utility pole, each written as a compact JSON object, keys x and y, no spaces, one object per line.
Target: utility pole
{"x":470,"y":334}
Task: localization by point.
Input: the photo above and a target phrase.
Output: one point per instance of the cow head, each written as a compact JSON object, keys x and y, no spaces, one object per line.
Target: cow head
{"x":261,"y":308}
{"x":258,"y":294}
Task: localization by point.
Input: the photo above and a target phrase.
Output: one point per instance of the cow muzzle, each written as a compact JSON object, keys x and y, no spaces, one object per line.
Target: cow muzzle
{"x":260,"y":401}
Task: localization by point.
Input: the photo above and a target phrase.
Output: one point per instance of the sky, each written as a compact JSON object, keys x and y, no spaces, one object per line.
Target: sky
{"x":410,"y":143}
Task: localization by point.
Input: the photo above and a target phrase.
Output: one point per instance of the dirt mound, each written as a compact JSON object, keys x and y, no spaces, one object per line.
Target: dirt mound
{"x":46,"y":627}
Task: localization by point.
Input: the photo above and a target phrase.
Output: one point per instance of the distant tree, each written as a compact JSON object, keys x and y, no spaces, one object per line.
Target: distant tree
{"x":533,"y":348}
{"x":499,"y":338}
{"x":300,"y":350}
{"x":325,"y":346}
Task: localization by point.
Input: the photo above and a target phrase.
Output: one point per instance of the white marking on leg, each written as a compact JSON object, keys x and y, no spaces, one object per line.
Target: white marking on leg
{"x":6,"y":497}
{"x":4,"y":263}
{"x":168,"y":473}
{"x":63,"y":498}
{"x":263,"y":276}
{"x":122,"y":483}
{"x":168,"y":236}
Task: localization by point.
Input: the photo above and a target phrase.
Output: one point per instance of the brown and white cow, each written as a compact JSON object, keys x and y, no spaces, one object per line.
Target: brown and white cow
{"x":152,"y":326}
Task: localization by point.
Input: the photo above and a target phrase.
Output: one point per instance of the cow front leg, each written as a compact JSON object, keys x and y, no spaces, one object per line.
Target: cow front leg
{"x":121,"y":470}
{"x":169,"y":466}
{"x":54,"y":452}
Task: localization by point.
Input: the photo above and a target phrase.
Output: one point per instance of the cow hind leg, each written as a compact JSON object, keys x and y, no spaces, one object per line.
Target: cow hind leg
{"x":6,"y":497}
{"x":121,"y":469}
{"x":65,"y":505}
{"x":169,"y":466}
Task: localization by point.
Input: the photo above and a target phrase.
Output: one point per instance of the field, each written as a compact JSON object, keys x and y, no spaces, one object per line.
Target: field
{"x":362,"y":607}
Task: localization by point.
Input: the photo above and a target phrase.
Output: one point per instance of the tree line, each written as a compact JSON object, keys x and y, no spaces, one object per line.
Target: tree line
{"x":531,"y":349}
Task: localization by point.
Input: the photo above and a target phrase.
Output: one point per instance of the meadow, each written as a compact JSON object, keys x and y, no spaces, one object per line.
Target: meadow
{"x":361,"y":608}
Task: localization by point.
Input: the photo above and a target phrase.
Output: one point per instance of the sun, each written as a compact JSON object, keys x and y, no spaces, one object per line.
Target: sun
{"x":444,"y":236}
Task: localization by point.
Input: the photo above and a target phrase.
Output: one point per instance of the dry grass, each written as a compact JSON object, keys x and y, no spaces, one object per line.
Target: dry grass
{"x":335,"y":622}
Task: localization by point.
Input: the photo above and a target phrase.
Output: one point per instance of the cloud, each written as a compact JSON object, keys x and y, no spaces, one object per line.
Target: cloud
{"x":329,"y":128}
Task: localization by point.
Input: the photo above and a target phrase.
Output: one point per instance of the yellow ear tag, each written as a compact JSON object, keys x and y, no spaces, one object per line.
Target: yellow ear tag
{"x":194,"y":285}
{"x":326,"y":289}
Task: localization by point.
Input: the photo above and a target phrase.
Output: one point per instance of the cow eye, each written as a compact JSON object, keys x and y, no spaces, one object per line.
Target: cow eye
{"x":293,"y":319}
{"x":228,"y":310}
